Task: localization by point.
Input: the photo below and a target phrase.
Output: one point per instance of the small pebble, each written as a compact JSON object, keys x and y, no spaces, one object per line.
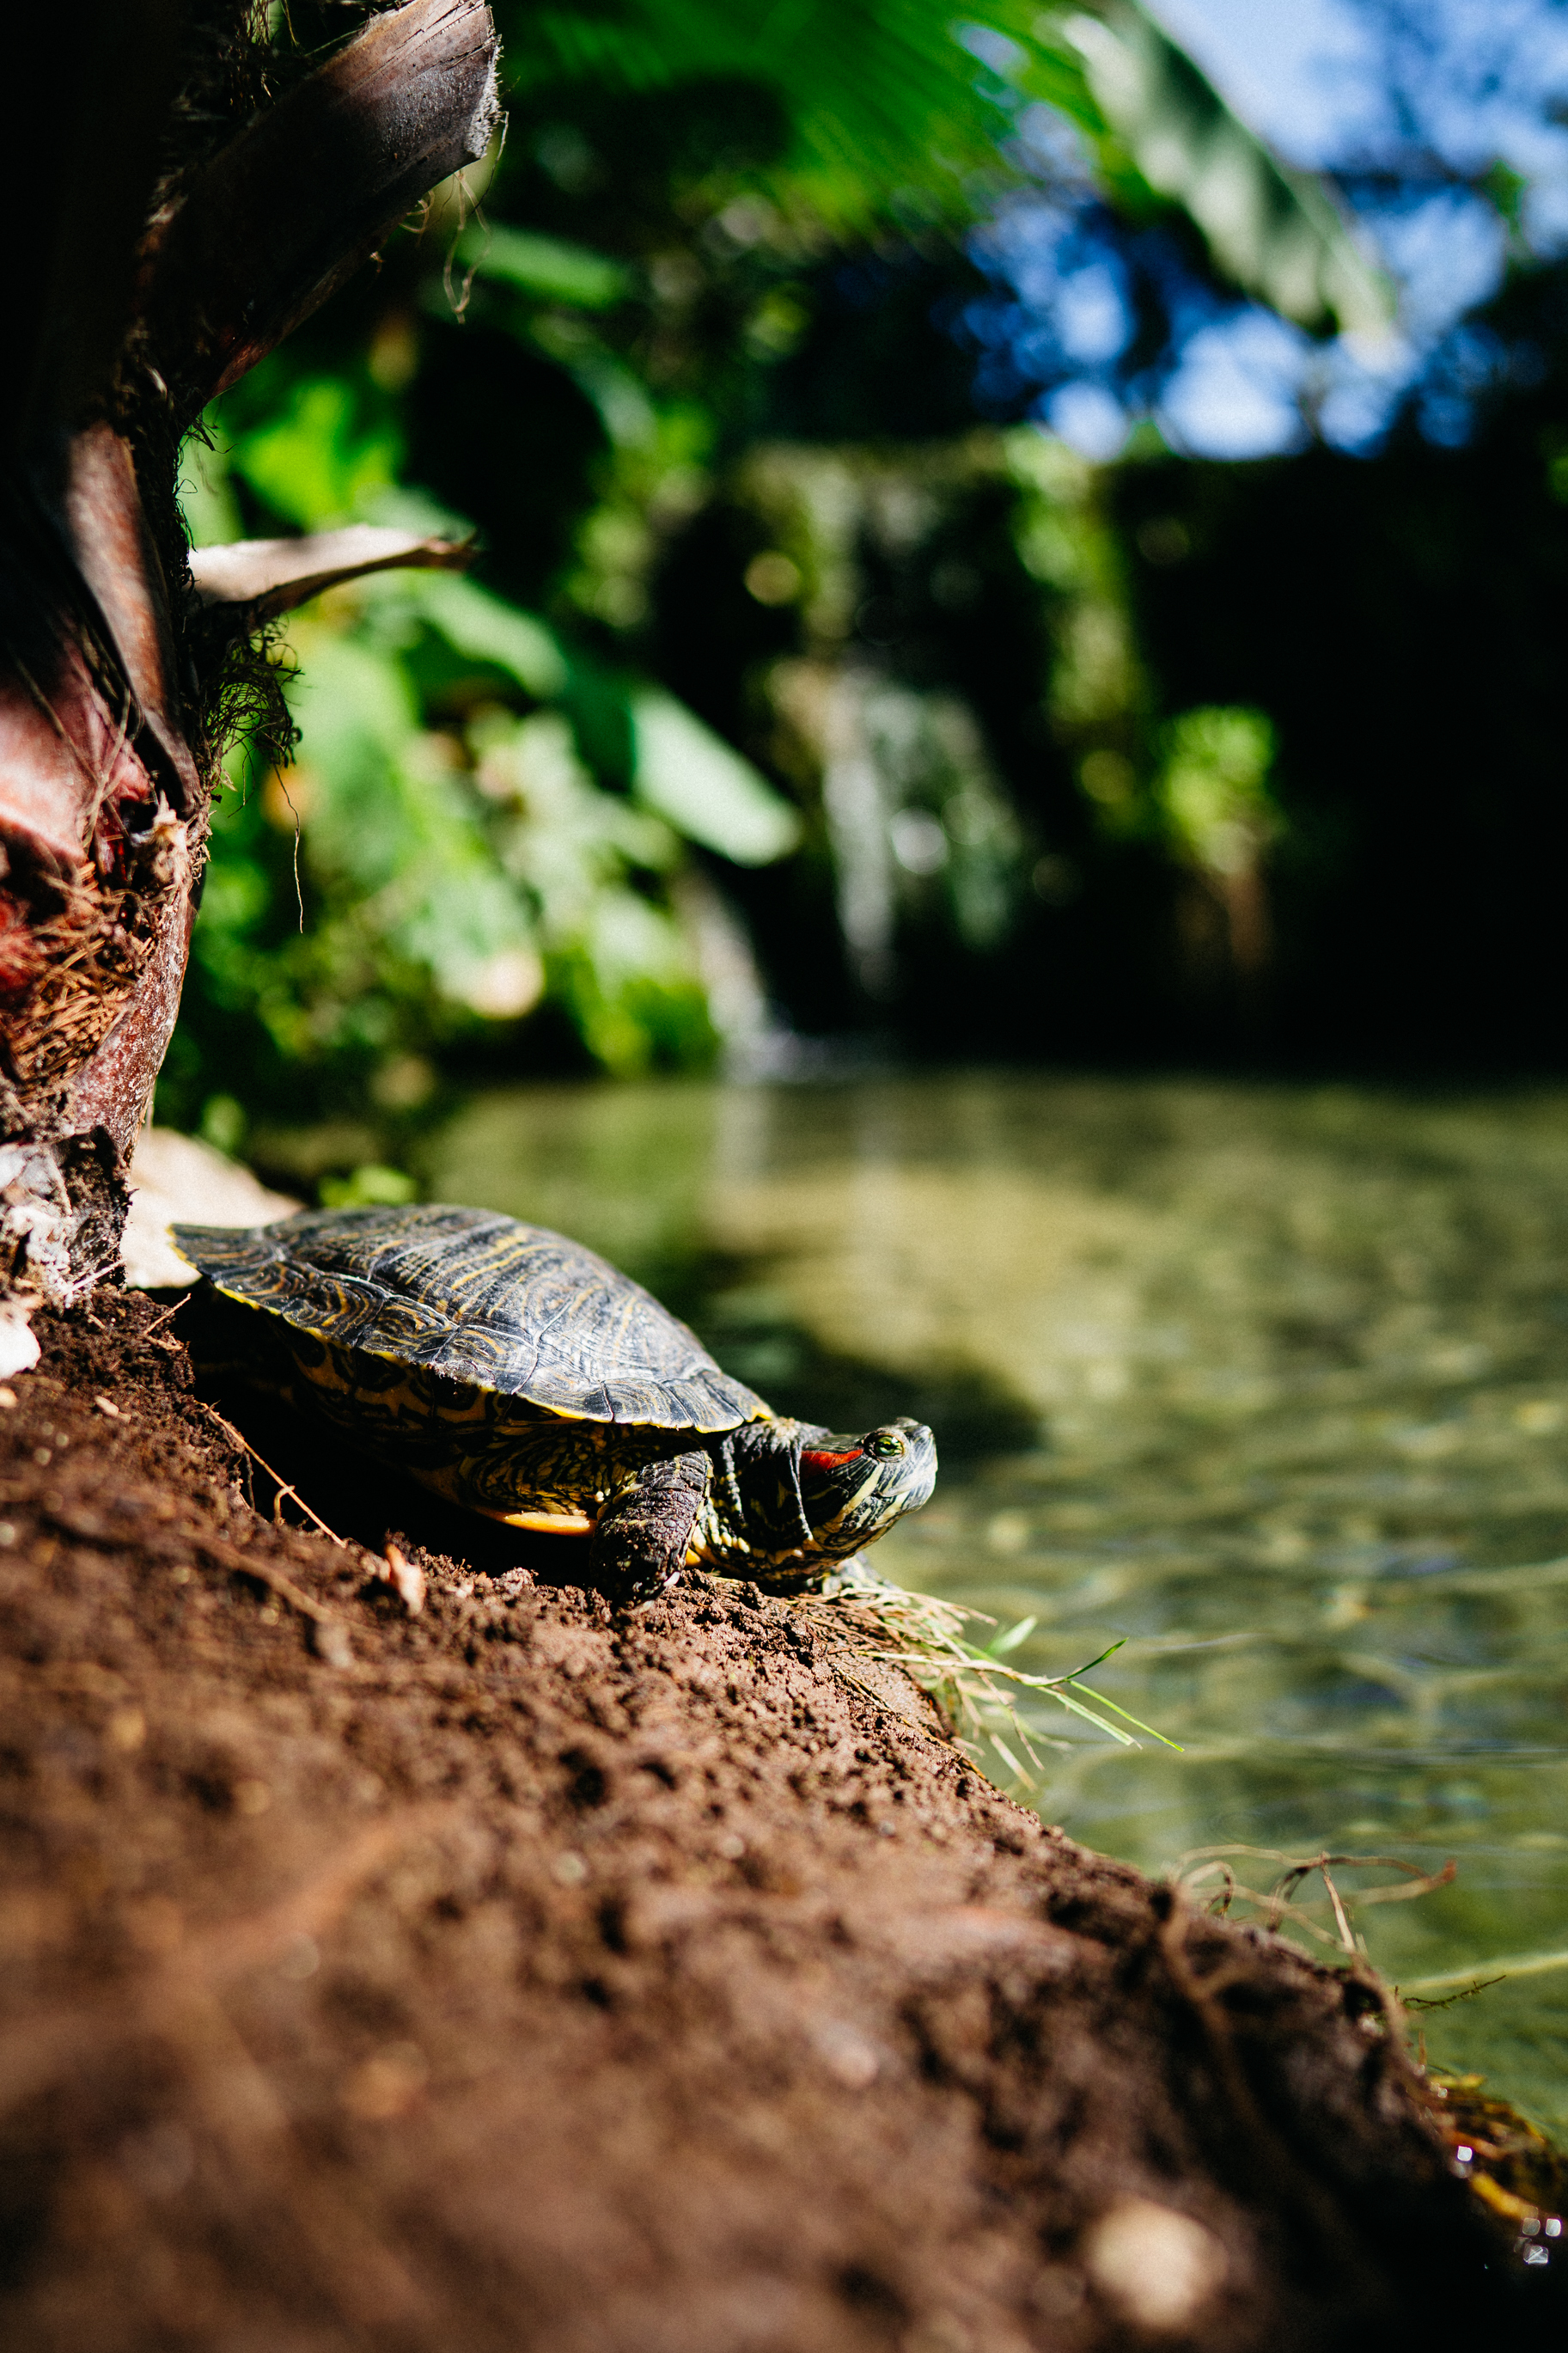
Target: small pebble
{"x":385,"y":2085}
{"x":331,"y":1642}
{"x":847,"y":2054}
{"x":8,"y":1398}
{"x":107,"y":1404}
{"x":1157,"y":2266}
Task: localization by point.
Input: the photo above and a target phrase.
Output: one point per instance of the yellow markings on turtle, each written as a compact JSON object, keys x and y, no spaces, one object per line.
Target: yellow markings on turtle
{"x":831,"y":1527}
{"x":541,"y":1523}
{"x":714,"y":1538}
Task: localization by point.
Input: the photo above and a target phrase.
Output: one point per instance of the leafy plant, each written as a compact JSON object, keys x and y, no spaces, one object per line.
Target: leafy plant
{"x":440,"y":857}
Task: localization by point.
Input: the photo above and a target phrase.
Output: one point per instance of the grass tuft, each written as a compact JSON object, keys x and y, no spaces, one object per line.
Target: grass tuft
{"x":972,"y":1684}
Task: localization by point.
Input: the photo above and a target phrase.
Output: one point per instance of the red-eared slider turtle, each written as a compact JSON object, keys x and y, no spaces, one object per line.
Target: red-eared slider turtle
{"x":523,"y":1377}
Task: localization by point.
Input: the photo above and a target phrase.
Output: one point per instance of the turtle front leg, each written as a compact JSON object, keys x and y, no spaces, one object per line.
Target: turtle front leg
{"x":640,"y":1541}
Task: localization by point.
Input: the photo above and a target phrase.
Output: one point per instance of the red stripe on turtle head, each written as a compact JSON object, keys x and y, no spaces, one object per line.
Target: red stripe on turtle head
{"x":830,"y":1462}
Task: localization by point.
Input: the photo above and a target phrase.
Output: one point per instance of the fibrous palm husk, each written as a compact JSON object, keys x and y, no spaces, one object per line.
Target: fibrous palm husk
{"x":205,"y":215}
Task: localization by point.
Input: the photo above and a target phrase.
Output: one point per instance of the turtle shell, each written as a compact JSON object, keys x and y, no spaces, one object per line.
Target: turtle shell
{"x":481,"y":1299}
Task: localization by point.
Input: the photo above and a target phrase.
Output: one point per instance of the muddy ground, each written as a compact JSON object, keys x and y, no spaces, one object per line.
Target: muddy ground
{"x":513,"y":1975}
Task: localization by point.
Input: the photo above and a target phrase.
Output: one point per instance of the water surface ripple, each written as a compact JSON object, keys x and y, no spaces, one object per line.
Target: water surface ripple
{"x":1271,"y":1381}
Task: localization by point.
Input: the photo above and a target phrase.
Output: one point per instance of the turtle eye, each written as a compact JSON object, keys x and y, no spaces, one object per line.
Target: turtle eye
{"x":884,"y":1442}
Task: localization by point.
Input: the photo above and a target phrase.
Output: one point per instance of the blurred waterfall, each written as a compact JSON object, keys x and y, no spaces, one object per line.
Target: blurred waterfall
{"x":754,"y":1040}
{"x":855,"y":803}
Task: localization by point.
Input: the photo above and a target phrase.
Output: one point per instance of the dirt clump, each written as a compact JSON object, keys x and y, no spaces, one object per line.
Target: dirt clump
{"x":511,"y":1974}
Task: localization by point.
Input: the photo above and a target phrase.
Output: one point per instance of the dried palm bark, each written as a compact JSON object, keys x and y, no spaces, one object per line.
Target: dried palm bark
{"x":210,"y":214}
{"x":269,"y":576}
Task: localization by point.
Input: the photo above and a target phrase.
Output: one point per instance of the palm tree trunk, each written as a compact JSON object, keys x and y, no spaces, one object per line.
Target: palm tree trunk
{"x":177,"y":258}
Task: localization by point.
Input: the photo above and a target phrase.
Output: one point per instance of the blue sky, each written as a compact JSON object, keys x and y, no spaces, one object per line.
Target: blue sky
{"x":1297,"y":69}
{"x":1308,"y":74}
{"x":1313,"y":77}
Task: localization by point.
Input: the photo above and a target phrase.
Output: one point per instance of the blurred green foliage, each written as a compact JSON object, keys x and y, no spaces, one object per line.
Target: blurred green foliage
{"x":478,"y":819}
{"x":1212,"y":787}
{"x":723,"y":719}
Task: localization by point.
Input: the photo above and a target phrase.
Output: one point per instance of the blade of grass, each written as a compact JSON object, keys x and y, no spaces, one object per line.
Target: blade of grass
{"x":1100,"y":1723}
{"x":1149,"y":1728}
{"x":1012,"y":1764}
{"x":1090,"y":1665}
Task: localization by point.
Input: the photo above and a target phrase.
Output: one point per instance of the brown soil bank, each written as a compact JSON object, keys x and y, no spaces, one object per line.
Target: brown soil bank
{"x":515,"y":1976}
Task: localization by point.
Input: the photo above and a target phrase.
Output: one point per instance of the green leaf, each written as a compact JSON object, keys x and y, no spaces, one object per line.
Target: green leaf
{"x":372,"y":1184}
{"x":626,"y":412}
{"x":706,"y":791}
{"x":487,"y":628}
{"x":317,"y":461}
{"x":1092,"y":1716}
{"x":356,"y":714}
{"x":1212,"y":789}
{"x":893,"y":119}
{"x":889,"y":112}
{"x":1100,"y":1700}
{"x":548,"y":267}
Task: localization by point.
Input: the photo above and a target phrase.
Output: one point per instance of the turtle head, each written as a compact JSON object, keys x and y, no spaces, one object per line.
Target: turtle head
{"x":853,"y":1489}
{"x":807,"y":1499}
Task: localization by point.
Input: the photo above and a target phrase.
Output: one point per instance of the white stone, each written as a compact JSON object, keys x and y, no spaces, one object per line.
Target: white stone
{"x":179,"y":1180}
{"x":18,"y":1347}
{"x":1158,"y":2267}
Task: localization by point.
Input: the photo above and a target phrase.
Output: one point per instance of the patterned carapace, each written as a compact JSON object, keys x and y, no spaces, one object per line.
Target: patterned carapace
{"x":523,"y":1377}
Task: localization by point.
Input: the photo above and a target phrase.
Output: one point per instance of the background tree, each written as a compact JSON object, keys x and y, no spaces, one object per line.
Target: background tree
{"x":183,"y":250}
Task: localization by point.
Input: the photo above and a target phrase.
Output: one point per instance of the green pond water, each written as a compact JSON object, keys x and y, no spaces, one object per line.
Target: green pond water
{"x":1273,"y":1382}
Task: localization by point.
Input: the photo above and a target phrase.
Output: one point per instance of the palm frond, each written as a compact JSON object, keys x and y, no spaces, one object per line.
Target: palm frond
{"x":890,"y":118}
{"x":894,"y":120}
{"x":1278,"y":233}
